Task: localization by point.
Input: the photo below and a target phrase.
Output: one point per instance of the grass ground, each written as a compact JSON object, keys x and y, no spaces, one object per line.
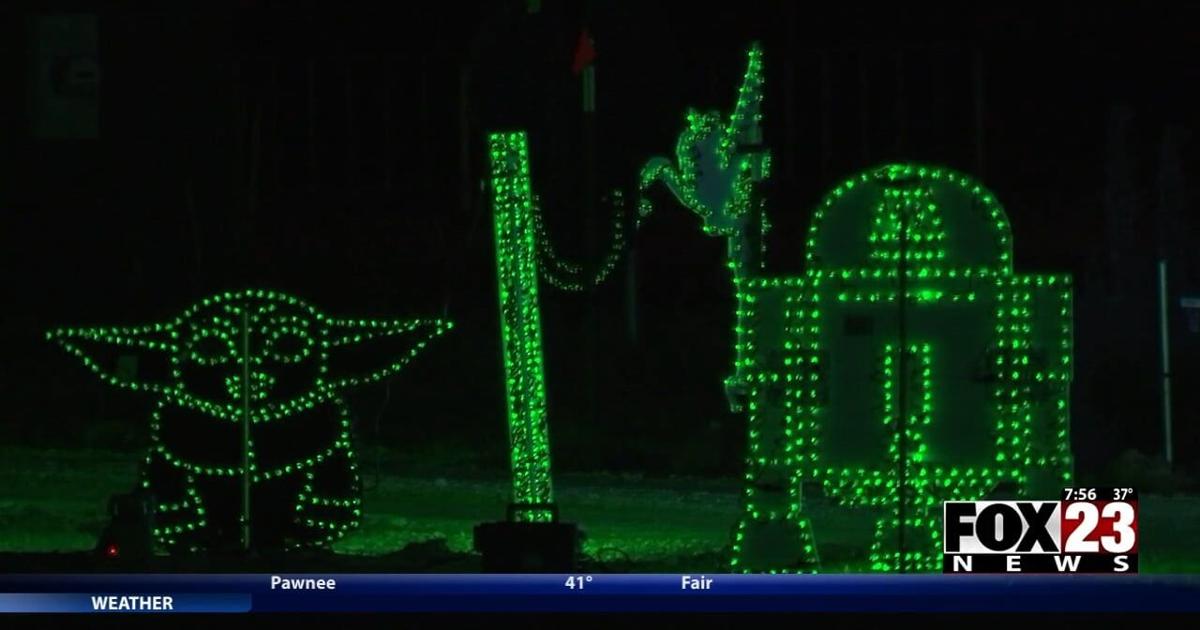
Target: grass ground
{"x":54,"y":500}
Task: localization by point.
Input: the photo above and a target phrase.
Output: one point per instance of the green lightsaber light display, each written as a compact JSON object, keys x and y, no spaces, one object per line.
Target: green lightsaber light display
{"x":521,"y":328}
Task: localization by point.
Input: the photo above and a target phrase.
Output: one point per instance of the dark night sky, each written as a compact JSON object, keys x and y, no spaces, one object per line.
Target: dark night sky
{"x":367,"y":197}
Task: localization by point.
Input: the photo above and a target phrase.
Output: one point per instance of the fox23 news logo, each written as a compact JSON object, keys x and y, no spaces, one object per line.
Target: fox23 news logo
{"x":1092,"y":530}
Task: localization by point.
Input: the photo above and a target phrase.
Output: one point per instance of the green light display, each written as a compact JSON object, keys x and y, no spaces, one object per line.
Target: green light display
{"x":516,"y":228}
{"x":252,"y":392}
{"x":908,"y":292}
{"x":566,"y":275}
{"x":713,"y":178}
{"x":522,"y":242}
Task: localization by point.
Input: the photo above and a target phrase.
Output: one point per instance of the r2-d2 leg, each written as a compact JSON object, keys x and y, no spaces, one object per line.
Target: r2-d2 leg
{"x":773,"y":534}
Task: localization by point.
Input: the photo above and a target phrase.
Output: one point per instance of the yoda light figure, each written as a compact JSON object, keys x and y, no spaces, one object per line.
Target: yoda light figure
{"x":719,"y":162}
{"x":250,"y":419}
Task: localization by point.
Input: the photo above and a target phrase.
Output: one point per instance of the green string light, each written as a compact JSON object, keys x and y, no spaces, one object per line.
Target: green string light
{"x":521,"y":328}
{"x":293,"y":394}
{"x":570,"y":276}
{"x":522,"y":241}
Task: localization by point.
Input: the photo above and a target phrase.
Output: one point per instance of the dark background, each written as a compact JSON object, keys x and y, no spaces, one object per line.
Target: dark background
{"x":336,"y":154}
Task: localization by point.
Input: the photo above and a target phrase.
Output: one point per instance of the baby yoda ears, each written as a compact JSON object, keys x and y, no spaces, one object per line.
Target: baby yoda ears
{"x":363,"y":351}
{"x":135,"y":357}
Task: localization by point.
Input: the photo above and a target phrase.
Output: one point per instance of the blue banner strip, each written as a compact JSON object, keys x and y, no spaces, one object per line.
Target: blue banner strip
{"x":124,"y":603}
{"x":667,"y":592}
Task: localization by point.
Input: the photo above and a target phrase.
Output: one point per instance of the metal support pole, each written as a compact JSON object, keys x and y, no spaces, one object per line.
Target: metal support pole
{"x":1166,"y":360}
{"x":902,"y":393}
{"x":590,"y":234}
{"x":901,"y":110}
{"x":980,"y":110}
{"x":631,"y":293}
{"x":826,"y":117}
{"x":245,"y":431}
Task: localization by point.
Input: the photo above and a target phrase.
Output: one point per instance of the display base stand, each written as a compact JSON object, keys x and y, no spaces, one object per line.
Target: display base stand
{"x":526,"y":546}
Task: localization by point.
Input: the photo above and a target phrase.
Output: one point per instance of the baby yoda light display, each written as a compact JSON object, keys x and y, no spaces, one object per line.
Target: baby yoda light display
{"x":908,"y":365}
{"x":250,"y":419}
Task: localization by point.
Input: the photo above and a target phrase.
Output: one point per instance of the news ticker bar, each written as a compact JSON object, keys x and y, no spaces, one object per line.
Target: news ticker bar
{"x":229,"y":593}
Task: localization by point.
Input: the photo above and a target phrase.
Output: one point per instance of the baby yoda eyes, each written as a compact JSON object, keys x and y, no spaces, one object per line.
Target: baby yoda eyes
{"x":290,"y":345}
{"x":211,"y":349}
{"x":287,"y":344}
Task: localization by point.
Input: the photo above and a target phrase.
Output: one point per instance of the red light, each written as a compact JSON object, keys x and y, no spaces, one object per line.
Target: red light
{"x":112,"y":550}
